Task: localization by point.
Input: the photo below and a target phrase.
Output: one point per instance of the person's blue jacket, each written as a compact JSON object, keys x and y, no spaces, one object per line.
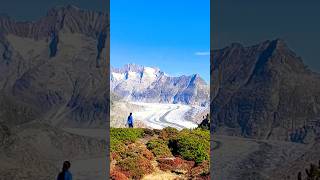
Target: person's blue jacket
{"x":130,"y":119}
{"x":67,"y":175}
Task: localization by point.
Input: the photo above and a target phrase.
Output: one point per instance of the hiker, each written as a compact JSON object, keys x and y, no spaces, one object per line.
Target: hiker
{"x":65,"y":174}
{"x":130,"y":121}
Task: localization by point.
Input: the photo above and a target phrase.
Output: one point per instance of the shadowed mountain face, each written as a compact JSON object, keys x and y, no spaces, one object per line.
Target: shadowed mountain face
{"x":54,"y":69}
{"x":147,"y":84}
{"x":53,"y":94}
{"x":264,"y":91}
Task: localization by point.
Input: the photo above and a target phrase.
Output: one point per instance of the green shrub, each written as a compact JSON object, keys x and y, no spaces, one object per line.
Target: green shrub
{"x":126,"y":135}
{"x":159,"y":148}
{"x":191,"y":144}
{"x":157,"y":131}
{"x":116,"y":145}
{"x":167,"y":133}
{"x":149,"y":132}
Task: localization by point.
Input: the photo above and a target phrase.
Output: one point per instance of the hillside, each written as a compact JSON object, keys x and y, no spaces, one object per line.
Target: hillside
{"x":159,"y":154}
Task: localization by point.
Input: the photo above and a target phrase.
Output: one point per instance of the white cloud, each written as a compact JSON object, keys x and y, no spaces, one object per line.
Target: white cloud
{"x":205,"y":53}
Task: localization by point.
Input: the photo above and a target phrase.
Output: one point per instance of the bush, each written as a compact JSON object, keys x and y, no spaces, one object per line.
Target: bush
{"x":135,"y":167}
{"x":116,"y":145}
{"x":157,"y":131}
{"x":126,"y":135}
{"x":159,"y":148}
{"x":192,"y":145}
{"x":202,"y":170}
{"x":149,"y":132}
{"x":116,"y":175}
{"x":167,"y":133}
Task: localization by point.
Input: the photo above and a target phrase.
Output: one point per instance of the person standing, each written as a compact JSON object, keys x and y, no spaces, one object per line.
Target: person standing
{"x":65,"y":173}
{"x":130,"y":121}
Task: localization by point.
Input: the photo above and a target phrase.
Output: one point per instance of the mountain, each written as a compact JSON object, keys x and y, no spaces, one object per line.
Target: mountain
{"x":54,"y":94}
{"x":264,"y":91}
{"x":54,"y":69}
{"x":147,"y":84}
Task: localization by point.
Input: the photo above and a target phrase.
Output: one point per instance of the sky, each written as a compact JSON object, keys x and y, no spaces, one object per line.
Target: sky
{"x":171,"y":35}
{"x":252,"y":21}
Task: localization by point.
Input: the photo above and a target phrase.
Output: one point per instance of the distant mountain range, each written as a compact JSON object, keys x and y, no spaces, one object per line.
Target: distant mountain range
{"x":147,"y":84}
{"x":54,"y":69}
{"x":264,"y":91}
{"x":54,"y":75}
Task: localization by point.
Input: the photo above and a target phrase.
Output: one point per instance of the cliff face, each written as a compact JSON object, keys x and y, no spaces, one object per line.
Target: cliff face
{"x":55,"y":69}
{"x":54,"y":77}
{"x":147,"y":84}
{"x":263,"y":91}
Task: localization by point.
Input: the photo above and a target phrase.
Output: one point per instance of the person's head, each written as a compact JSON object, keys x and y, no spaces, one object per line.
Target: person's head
{"x":130,"y":114}
{"x":66,"y":165}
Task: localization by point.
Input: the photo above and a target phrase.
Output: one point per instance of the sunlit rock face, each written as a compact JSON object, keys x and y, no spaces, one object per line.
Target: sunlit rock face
{"x":148,"y":84}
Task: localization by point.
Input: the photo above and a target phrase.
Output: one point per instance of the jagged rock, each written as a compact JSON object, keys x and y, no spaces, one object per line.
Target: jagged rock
{"x":263,"y":91}
{"x":147,"y":84}
{"x":57,"y":66}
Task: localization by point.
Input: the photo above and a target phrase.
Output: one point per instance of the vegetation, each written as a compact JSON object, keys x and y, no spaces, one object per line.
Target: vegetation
{"x":168,"y":133}
{"x":126,"y":135}
{"x":192,"y":145}
{"x":159,"y":148}
{"x":180,"y":152}
{"x":205,"y":124}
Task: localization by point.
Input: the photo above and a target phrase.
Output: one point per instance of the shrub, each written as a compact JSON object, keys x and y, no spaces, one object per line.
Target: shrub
{"x":159,"y":148}
{"x":191,"y":145}
{"x":135,"y":167}
{"x":126,"y":135}
{"x":202,"y":170}
{"x":149,"y":132}
{"x":116,"y":175}
{"x":116,"y":145}
{"x":157,"y":131}
{"x":167,"y":133}
{"x":177,"y":165}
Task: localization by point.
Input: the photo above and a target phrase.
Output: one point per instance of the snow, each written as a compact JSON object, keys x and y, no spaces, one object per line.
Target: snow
{"x":148,"y":71}
{"x":158,"y":116}
{"x":133,"y":75}
{"x":117,"y":76}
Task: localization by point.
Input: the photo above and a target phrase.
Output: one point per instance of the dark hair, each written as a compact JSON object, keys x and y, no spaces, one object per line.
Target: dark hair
{"x":66,"y":165}
{"x":130,"y":113}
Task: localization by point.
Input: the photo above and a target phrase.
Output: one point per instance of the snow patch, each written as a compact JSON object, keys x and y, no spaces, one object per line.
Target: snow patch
{"x":117,"y":76}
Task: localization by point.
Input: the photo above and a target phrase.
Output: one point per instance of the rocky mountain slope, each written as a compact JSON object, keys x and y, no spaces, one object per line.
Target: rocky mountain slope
{"x":55,"y":69}
{"x":54,"y":76}
{"x":264,"y":91}
{"x":147,"y":84}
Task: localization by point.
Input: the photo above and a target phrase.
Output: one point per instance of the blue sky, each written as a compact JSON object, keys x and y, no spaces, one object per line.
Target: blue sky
{"x":171,"y":35}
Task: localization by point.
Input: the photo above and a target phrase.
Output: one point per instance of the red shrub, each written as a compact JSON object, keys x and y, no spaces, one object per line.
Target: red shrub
{"x":175,"y":164}
{"x":117,"y":175}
